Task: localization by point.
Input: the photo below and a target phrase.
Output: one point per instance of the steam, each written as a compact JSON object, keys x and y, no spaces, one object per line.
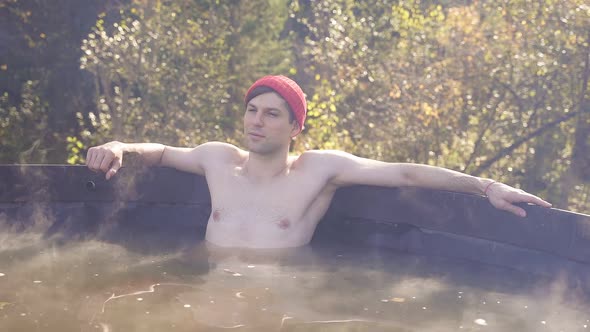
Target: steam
{"x":100,"y":284}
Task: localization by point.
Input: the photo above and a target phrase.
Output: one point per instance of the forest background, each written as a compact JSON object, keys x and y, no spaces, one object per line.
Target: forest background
{"x":492,"y":88}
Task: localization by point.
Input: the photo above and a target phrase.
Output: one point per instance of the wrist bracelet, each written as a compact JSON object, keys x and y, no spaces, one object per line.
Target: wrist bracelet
{"x":485,"y":192}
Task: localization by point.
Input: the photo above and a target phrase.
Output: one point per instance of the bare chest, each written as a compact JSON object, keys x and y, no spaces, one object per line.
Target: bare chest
{"x":272,"y":214}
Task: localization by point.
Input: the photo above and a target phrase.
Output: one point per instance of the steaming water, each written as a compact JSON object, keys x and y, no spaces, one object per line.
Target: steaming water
{"x":96,"y":286}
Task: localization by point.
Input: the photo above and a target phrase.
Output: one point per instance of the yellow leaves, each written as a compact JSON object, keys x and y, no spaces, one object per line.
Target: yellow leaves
{"x":429,"y":113}
{"x":437,"y":14}
{"x":572,"y":39}
{"x":426,"y":113}
{"x":74,"y":148}
{"x":323,"y":120}
{"x":295,"y":6}
{"x":395,"y":92}
{"x":410,"y":19}
{"x":404,"y":14}
{"x":464,"y":19}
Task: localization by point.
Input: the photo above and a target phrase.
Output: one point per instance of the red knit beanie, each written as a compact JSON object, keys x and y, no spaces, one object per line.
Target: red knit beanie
{"x":289,"y":90}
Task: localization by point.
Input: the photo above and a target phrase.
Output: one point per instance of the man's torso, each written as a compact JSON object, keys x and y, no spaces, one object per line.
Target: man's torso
{"x":283,"y":212}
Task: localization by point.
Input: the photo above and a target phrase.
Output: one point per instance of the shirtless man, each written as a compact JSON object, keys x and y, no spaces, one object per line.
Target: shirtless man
{"x":264,"y":198}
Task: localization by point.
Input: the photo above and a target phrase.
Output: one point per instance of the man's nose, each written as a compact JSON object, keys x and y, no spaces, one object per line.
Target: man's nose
{"x":258,"y":119}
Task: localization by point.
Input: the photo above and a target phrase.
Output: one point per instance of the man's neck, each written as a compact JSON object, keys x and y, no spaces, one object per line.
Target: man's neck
{"x":265,"y":167}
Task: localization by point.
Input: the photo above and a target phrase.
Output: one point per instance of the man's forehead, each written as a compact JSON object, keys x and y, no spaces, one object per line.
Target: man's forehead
{"x":269,"y":100}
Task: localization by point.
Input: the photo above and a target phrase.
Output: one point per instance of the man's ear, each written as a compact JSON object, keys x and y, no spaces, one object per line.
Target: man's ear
{"x":295,"y":129}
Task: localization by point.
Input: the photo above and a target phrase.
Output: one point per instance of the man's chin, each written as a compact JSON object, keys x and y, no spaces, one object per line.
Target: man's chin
{"x":262,"y":149}
{"x":259,"y":150}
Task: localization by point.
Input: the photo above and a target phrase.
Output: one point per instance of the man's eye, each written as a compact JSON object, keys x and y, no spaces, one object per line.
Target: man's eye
{"x":251,"y":110}
{"x":273,"y":114}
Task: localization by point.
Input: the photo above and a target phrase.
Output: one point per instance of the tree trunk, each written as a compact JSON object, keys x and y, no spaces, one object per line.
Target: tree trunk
{"x":579,"y":163}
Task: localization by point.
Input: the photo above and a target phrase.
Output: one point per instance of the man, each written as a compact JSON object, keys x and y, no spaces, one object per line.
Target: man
{"x":264,"y":198}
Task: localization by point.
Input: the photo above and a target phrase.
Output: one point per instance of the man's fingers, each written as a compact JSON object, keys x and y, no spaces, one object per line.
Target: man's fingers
{"x":504,"y":197}
{"x":102,"y":158}
{"x":98,"y":162}
{"x":538,"y":201}
{"x":95,"y":162}
{"x":88,"y":155}
{"x":106,"y":162}
{"x":114,"y":168}
{"x":90,"y":159}
{"x":529,"y":198}
{"x":514,"y":209}
{"x":508,"y":206}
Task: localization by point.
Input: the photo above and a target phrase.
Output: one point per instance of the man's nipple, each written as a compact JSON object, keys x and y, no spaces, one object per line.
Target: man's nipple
{"x":216,"y":215}
{"x":284,"y":223}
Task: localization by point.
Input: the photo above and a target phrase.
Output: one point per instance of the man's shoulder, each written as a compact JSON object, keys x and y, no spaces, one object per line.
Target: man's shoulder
{"x":222,"y":151}
{"x":325,"y":164}
{"x":220,"y":146}
{"x":322,"y":154}
{"x":321,"y":157}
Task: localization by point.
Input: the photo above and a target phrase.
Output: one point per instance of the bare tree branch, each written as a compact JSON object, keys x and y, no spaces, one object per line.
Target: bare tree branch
{"x":505,"y":151}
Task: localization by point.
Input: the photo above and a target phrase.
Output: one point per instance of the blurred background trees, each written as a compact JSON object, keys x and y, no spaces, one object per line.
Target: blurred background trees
{"x":491,"y":88}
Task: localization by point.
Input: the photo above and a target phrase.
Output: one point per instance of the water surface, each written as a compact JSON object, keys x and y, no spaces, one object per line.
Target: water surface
{"x":97,"y":286}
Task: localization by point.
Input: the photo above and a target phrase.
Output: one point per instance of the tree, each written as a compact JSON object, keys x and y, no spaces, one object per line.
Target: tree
{"x":176,"y":71}
{"x":474,"y":87}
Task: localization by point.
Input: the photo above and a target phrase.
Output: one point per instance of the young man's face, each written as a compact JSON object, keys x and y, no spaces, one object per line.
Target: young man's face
{"x":266,"y":124}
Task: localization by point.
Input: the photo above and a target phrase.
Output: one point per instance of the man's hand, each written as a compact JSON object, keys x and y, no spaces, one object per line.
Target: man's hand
{"x":107,"y":158}
{"x":502,"y":196}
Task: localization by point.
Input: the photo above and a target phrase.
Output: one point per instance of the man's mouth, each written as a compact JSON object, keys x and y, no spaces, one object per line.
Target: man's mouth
{"x":256,"y":135}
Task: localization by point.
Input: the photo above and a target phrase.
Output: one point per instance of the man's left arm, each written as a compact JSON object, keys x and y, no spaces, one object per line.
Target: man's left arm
{"x":346,"y":169}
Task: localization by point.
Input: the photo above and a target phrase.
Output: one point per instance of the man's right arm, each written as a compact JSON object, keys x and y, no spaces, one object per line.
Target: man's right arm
{"x":108,"y":157}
